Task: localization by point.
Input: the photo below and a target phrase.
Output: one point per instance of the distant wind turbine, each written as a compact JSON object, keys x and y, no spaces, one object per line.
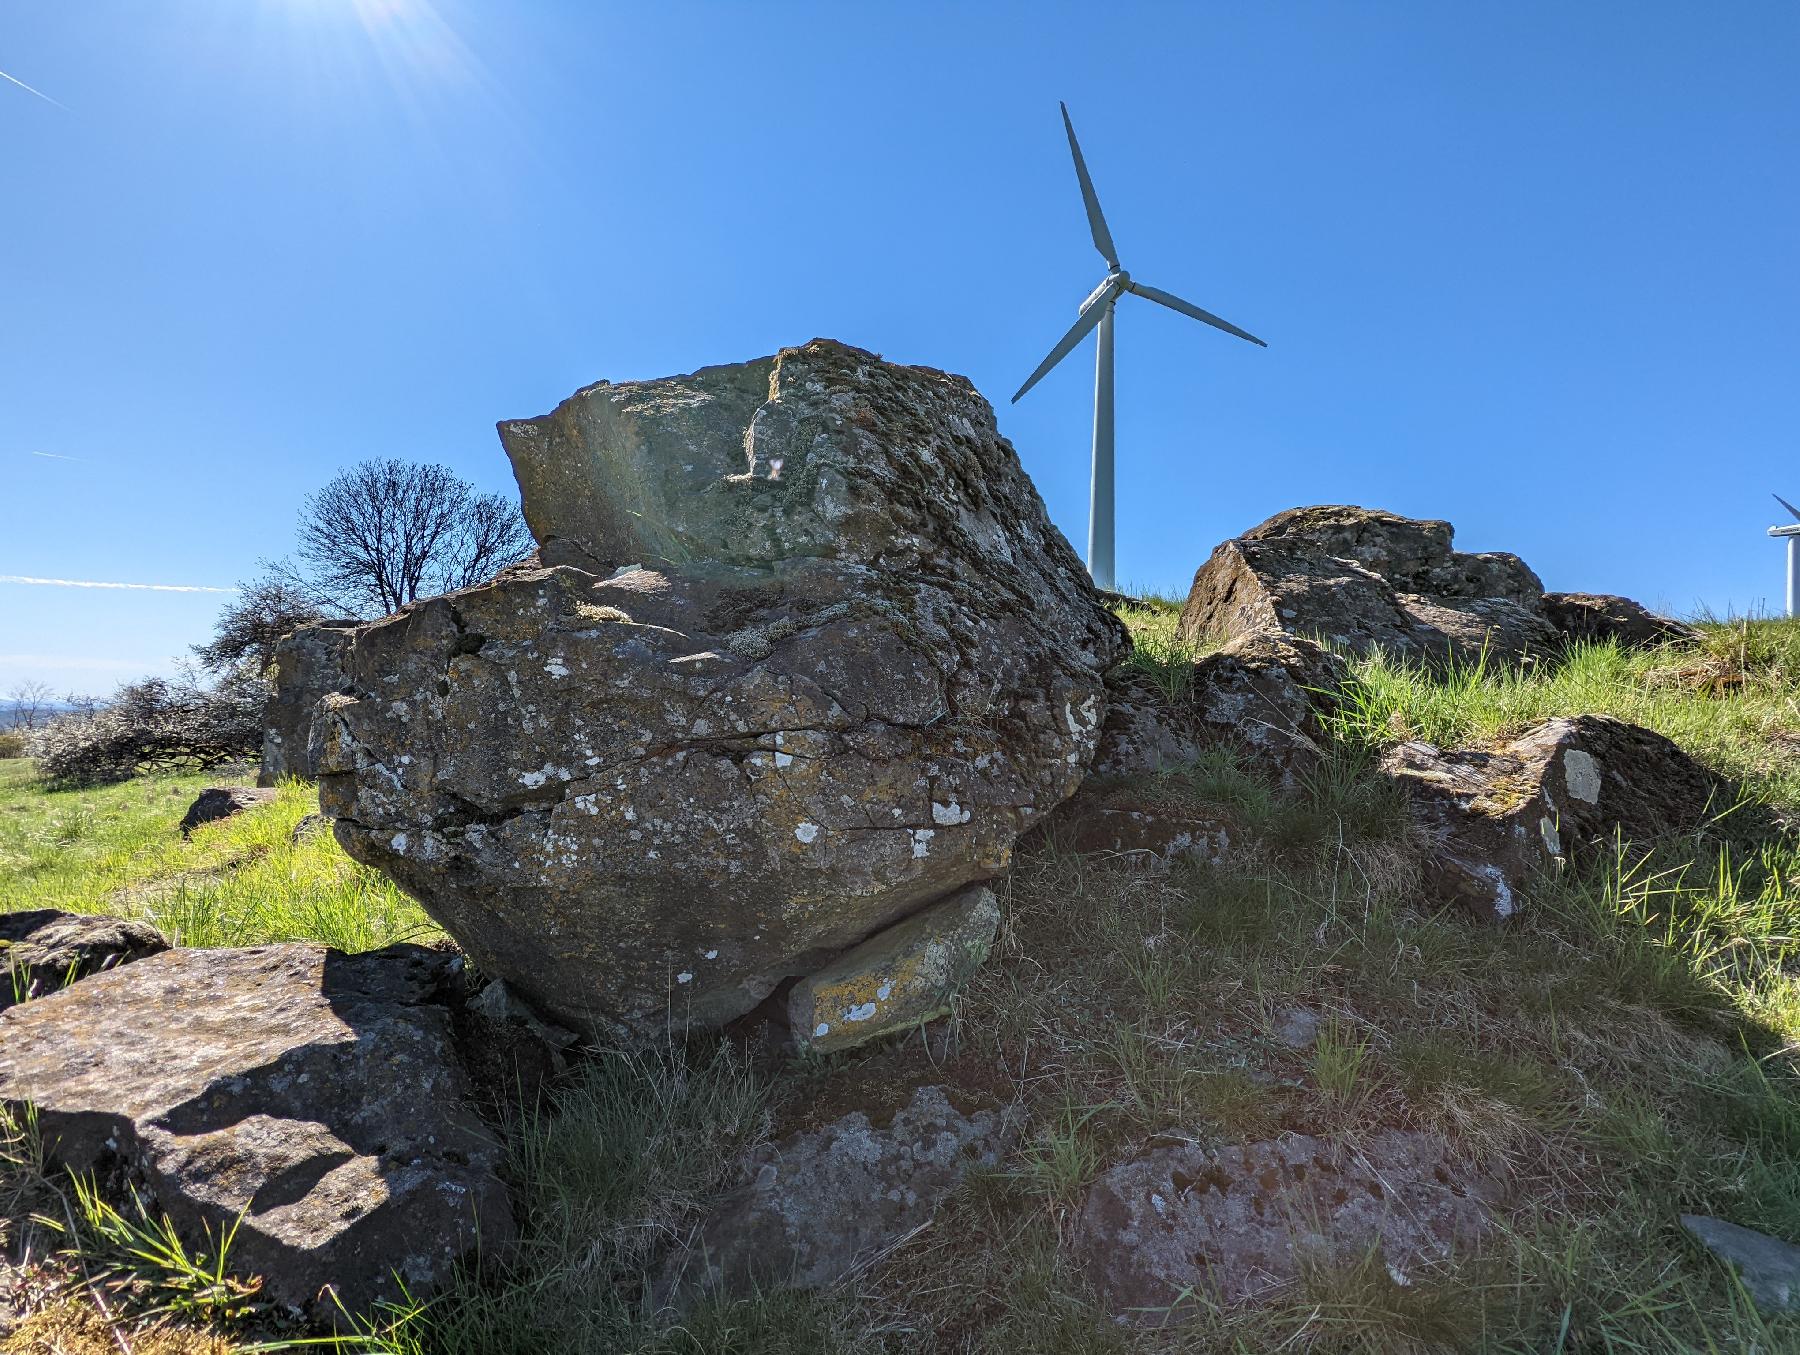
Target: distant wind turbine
{"x":1097,"y":311}
{"x":1792,"y":533}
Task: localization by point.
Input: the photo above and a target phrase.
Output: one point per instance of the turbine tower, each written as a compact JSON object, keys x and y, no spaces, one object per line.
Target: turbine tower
{"x":1097,"y":312}
{"x":1792,"y":532}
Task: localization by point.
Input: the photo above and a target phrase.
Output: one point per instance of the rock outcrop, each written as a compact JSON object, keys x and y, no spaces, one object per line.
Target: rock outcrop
{"x":309,"y":665}
{"x":1492,"y":821}
{"x":221,"y":802}
{"x":1768,"y":1267}
{"x":1185,"y":1223}
{"x":803,"y":654}
{"x":313,"y":1097}
{"x":44,"y":949}
{"x":1361,"y":580}
{"x":818,"y":1204}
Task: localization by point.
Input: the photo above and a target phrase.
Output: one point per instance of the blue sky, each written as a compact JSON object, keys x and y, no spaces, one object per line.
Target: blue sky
{"x":1534,"y":268}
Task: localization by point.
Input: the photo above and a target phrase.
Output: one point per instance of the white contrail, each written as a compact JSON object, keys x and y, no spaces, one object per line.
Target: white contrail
{"x":90,"y":583}
{"x":29,"y":90}
{"x":58,"y":456}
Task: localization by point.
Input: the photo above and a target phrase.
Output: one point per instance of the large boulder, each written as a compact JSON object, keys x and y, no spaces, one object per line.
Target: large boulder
{"x":1184,"y":1225}
{"x":312,"y":1098}
{"x":803,"y":653}
{"x":44,"y":949}
{"x":1492,"y":821}
{"x":1599,"y":618}
{"x":223,"y":802}
{"x":308,"y":666}
{"x":1359,"y":580}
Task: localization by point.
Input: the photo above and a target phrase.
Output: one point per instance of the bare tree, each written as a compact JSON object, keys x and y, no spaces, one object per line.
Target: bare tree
{"x":248,"y":629}
{"x":28,"y":704}
{"x":386,"y":533}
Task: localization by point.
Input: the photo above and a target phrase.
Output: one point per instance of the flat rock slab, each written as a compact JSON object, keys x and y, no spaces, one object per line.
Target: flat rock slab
{"x":899,"y":977}
{"x":1235,"y":1224}
{"x":318,"y":1094}
{"x":1768,"y":1267}
{"x":1493,"y":820}
{"x":805,"y":654}
{"x":221,"y":802}
{"x":820,"y":1204}
{"x":44,"y":949}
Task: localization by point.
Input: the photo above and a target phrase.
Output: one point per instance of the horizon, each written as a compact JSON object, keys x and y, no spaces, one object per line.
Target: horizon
{"x":1529,"y":271}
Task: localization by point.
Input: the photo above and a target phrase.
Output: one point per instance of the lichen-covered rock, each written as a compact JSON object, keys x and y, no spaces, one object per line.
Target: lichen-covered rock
{"x":1359,"y":580}
{"x":1494,"y":820}
{"x":899,"y":977}
{"x":805,"y":654}
{"x":221,"y":802}
{"x":312,"y":1098}
{"x":1142,"y":826}
{"x":1600,"y":617}
{"x":1185,"y":1224}
{"x":818,"y":1204}
{"x":308,"y":667}
{"x":1260,"y":694}
{"x":44,"y":949}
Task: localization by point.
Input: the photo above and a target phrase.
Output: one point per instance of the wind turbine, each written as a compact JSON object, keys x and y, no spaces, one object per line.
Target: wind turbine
{"x":1792,"y":533}
{"x":1097,"y":312}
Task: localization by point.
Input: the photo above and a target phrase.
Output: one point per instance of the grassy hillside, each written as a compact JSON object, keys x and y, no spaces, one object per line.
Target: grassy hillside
{"x":1623,"y":1054}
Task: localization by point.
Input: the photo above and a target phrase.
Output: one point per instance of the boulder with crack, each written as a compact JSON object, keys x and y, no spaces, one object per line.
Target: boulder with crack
{"x":311,"y":1097}
{"x":1494,"y":820}
{"x":803,"y":653}
{"x":818,"y":1205}
{"x":1186,"y":1224}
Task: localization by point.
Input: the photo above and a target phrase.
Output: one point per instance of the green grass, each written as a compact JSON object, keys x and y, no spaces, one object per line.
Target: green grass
{"x":241,"y":881}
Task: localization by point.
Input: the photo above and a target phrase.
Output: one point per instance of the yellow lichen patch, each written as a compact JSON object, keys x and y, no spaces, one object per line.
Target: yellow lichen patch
{"x":74,"y":1327}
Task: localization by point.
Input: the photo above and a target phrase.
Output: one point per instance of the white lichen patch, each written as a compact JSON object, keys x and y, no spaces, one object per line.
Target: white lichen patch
{"x":556,"y":668}
{"x":1582,"y":774}
{"x":684,"y":977}
{"x":861,"y":1012}
{"x":946,"y":815}
{"x":921,"y":840}
{"x":806,"y":832}
{"x":398,"y":843}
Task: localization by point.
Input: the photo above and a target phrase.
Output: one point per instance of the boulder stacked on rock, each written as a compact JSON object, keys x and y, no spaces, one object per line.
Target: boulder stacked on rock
{"x":44,"y":949}
{"x":804,"y":654}
{"x":1361,"y":580}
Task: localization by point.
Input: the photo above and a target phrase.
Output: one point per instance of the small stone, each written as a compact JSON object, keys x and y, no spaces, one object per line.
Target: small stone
{"x":1297,"y":1027}
{"x":1768,"y":1267}
{"x":898,"y":978}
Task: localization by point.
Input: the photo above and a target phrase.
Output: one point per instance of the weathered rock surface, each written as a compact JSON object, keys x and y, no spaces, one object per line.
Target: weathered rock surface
{"x":1599,"y":617}
{"x":1235,"y":1223}
{"x":1260,"y":694}
{"x":44,"y":949}
{"x":316,"y":1093}
{"x":308,"y":666}
{"x":805,"y":655}
{"x":1494,"y":820}
{"x":899,"y":977}
{"x":1141,"y":826}
{"x":1768,"y":1267}
{"x":817,"y":1205}
{"x":221,"y":802}
{"x":1360,"y":579}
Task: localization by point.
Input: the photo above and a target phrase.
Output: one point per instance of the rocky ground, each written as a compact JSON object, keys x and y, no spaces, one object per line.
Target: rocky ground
{"x":1367,"y":951}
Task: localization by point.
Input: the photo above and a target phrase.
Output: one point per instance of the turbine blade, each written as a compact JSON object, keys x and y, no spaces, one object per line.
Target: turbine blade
{"x":1175,"y":303}
{"x":1103,"y":240}
{"x":1790,"y":507}
{"x":1077,"y":332}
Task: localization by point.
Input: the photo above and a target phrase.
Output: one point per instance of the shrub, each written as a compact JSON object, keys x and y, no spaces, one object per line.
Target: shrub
{"x":12,"y":743}
{"x":157,"y":723}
